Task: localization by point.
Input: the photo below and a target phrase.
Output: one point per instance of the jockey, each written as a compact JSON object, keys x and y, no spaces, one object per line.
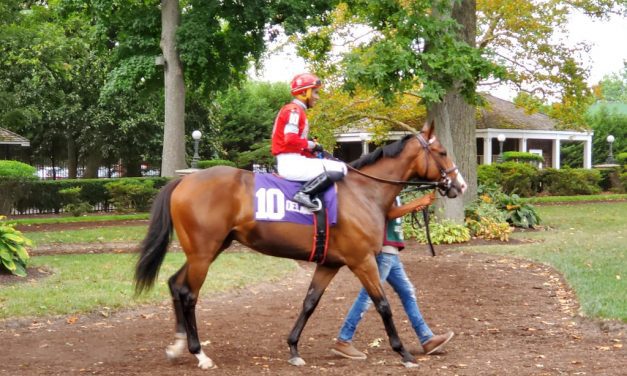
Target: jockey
{"x":294,"y":152}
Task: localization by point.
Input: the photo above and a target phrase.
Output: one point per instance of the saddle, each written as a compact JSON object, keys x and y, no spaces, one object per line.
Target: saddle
{"x":272,"y":203}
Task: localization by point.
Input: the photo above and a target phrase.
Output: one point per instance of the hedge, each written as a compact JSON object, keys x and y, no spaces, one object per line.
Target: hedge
{"x":44,"y":196}
{"x":521,"y":156}
{"x":215,"y":162}
{"x":567,"y":181}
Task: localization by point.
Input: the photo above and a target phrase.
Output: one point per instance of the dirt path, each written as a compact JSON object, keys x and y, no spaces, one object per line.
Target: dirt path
{"x":511,"y":317}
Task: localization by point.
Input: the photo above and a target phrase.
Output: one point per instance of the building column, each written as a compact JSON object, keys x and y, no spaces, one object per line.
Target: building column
{"x":523,"y":144}
{"x":364,"y":147}
{"x":587,"y":153}
{"x":487,"y":150}
{"x":556,"y":154}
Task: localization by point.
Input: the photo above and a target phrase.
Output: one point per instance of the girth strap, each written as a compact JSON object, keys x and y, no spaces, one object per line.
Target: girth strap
{"x":321,"y":235}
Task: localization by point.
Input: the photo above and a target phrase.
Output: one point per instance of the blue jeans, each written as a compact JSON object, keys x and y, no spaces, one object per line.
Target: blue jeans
{"x":391,"y":270}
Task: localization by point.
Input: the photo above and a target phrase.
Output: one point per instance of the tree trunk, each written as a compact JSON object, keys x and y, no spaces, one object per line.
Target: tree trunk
{"x":92,"y":164}
{"x":72,"y":157}
{"x":173,"y":156}
{"x":455,"y":123}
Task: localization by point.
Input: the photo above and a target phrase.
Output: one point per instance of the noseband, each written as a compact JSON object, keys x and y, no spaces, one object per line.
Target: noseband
{"x":445,"y":183}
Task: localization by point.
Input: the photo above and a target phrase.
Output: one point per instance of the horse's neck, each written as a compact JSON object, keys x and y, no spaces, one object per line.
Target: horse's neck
{"x":382,"y":194}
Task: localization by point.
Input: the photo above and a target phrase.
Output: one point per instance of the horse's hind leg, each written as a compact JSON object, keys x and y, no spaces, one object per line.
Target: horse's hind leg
{"x":186,"y":286}
{"x":180,"y":338}
{"x":321,"y":279}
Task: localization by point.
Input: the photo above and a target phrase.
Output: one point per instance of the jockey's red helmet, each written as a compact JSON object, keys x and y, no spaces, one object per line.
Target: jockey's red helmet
{"x":303,"y":82}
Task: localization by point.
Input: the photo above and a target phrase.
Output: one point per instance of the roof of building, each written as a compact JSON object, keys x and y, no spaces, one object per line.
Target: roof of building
{"x":8,"y":137}
{"x":502,"y":114}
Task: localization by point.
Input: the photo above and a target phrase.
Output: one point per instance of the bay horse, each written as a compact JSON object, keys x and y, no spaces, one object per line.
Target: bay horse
{"x":211,"y":208}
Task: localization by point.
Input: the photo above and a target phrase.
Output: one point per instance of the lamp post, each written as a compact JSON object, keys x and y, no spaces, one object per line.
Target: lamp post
{"x":610,"y":157}
{"x":196,"y":136}
{"x":501,"y":138}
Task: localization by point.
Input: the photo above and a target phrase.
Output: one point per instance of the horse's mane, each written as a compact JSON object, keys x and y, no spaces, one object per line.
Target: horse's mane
{"x":391,"y":150}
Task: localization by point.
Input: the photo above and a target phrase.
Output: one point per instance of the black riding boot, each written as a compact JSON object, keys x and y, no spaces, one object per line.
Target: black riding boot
{"x":316,"y":185}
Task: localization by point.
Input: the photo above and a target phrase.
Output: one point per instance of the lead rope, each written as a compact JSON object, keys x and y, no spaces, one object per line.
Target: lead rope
{"x":416,"y":223}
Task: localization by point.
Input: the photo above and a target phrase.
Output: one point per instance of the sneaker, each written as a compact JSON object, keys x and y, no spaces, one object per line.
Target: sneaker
{"x":347,"y":350}
{"x":436,"y":343}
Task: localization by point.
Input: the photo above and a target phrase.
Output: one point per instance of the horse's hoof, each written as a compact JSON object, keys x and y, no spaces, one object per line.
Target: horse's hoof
{"x":410,"y":364}
{"x":206,"y":364}
{"x":297,"y":361}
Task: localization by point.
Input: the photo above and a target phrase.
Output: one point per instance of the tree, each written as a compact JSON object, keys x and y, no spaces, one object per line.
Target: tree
{"x":214,"y":41}
{"x":427,"y":48}
{"x":246,"y":115}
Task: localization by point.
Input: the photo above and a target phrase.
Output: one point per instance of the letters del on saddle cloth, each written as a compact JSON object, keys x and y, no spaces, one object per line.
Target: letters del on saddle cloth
{"x":272,"y":204}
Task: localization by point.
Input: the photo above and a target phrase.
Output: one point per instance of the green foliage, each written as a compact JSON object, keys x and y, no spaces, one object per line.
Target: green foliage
{"x":44,"y":194}
{"x":131,"y":194}
{"x":520,"y":156}
{"x":246,"y":115}
{"x":13,"y":176}
{"x":567,"y":181}
{"x":397,"y":60}
{"x":489,"y":228}
{"x":623,"y":180}
{"x":215,"y":162}
{"x":445,"y":232}
{"x":260,"y":153}
{"x":488,"y":175}
{"x":498,"y":207}
{"x":73,"y":203}
{"x":13,"y":254}
{"x":621,"y":158}
{"x":519,"y":212}
{"x":15,"y":169}
{"x":606,"y":121}
{"x":519,"y":178}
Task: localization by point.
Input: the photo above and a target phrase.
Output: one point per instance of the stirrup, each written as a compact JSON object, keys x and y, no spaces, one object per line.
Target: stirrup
{"x":318,"y":203}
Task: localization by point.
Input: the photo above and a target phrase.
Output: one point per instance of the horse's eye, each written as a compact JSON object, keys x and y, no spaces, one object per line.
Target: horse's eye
{"x":443,"y":153}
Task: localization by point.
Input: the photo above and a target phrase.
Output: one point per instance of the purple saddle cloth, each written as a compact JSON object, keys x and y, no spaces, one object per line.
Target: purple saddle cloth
{"x":272,"y":201}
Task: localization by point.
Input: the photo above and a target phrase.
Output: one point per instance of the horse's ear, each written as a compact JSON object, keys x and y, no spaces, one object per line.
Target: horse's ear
{"x":428,"y":129}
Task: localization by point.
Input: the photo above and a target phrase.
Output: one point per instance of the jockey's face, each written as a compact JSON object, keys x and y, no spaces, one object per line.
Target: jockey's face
{"x":313,"y":98}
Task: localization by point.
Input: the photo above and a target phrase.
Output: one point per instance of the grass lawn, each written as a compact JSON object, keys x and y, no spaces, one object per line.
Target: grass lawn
{"x":86,"y":283}
{"x":130,"y":233}
{"x":587,"y":243}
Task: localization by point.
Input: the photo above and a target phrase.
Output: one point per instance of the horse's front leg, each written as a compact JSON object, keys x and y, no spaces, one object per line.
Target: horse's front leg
{"x":368,"y":274}
{"x":321,"y":279}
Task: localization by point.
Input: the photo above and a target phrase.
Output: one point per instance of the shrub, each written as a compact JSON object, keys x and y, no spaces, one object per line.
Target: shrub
{"x":518,"y":178}
{"x":72,"y":201}
{"x":499,"y":207}
{"x":623,"y":180}
{"x":567,"y":182}
{"x":13,"y":176}
{"x":15,"y":169}
{"x":522,"y":156}
{"x":129,"y":195}
{"x":445,"y":232}
{"x":215,"y":162}
{"x":519,"y":213}
{"x":13,"y":254}
{"x":488,"y":175}
{"x":43,"y":195}
{"x":621,"y":158}
{"x":489,"y":228}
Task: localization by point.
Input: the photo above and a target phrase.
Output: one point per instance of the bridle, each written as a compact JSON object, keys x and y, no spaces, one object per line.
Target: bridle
{"x":443,"y":185}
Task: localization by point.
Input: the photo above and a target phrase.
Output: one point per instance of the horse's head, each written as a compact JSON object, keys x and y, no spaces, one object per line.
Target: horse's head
{"x":434,"y":164}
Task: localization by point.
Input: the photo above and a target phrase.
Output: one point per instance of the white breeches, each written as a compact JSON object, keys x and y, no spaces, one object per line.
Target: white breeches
{"x":297,"y":167}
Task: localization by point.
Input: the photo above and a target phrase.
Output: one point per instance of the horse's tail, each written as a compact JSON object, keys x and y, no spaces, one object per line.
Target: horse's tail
{"x":155,"y":244}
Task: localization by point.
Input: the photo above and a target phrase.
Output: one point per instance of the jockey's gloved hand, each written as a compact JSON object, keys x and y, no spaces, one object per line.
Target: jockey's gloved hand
{"x":317,"y":148}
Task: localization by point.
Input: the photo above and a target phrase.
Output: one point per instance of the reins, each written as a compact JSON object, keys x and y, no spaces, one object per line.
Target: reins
{"x":421,"y":185}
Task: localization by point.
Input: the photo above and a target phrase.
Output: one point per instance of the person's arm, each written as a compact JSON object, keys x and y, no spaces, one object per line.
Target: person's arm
{"x":417,"y":204}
